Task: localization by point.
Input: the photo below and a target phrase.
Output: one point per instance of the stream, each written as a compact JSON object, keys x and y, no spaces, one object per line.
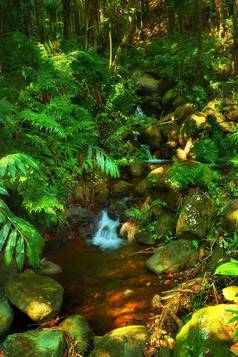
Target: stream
{"x":110,"y":287}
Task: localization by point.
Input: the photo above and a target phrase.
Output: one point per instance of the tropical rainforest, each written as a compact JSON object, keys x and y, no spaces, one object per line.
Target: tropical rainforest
{"x":118,"y":178}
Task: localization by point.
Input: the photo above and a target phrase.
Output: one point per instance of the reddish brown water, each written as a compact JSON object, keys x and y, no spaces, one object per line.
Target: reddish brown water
{"x":110,"y":288}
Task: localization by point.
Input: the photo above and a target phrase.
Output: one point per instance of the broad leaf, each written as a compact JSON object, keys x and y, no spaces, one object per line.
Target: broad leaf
{"x":230,"y":268}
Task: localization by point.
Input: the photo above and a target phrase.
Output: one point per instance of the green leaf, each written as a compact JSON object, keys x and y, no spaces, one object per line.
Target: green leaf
{"x":3,"y":191}
{"x":20,"y":253}
{"x":230,"y":268}
{"x":4,"y":234}
{"x":10,"y":246}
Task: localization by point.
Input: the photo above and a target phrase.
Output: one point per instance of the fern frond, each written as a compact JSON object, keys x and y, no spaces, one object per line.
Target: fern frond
{"x":104,"y":163}
{"x":42,"y":121}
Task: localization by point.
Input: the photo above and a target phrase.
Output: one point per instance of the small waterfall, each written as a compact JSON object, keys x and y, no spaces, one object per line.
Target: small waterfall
{"x":106,"y":236}
{"x":139,"y":111}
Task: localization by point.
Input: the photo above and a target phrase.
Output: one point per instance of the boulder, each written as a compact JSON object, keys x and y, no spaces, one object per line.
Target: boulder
{"x":145,"y":237}
{"x":173,"y":257}
{"x":196,"y":217}
{"x":164,"y":85}
{"x":6,"y":315}
{"x":230,"y":217}
{"x":170,"y":131}
{"x":129,"y":230}
{"x":208,"y":333}
{"x":147,"y":84}
{"x":161,"y":179}
{"x":121,"y":189}
{"x":101,"y":193}
{"x":183,"y":111}
{"x":117,"y":210}
{"x":151,"y":104}
{"x":193,"y":124}
{"x":77,"y":328}
{"x":141,"y":189}
{"x":178,"y":102}
{"x":137,"y":168}
{"x":152,"y":136}
{"x":169,"y":97}
{"x":126,"y":341}
{"x":38,"y":296}
{"x":166,"y":225}
{"x":77,"y":215}
{"x":44,"y":343}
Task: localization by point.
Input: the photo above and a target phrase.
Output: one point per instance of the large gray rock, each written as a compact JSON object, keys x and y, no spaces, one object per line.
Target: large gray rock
{"x":173,"y":257}
{"x":77,"y":328}
{"x":196,"y":217}
{"x":40,"y":297}
{"x":6,"y":315}
{"x":44,"y":343}
{"x":126,"y":341}
{"x":208,"y":333}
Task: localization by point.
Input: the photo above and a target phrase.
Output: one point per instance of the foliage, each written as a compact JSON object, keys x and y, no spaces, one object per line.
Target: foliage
{"x":230,"y":269}
{"x":202,"y":175}
{"x":18,"y":238}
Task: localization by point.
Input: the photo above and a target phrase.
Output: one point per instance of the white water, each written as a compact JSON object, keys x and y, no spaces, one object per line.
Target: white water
{"x":106,"y":236}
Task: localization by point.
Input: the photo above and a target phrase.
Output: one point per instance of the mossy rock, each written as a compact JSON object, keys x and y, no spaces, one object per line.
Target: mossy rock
{"x":147,"y":84}
{"x":169,"y":97}
{"x":193,"y":124}
{"x":230,"y":217}
{"x":6,"y":315}
{"x":208,"y":333}
{"x":142,"y":188}
{"x":78,"y":215}
{"x":137,"y":169}
{"x":178,"y":102}
{"x":121,"y":189}
{"x":183,"y":111}
{"x":166,"y":225}
{"x":38,"y":296}
{"x":145,"y":237}
{"x":44,"y":343}
{"x":152,"y":136}
{"x":160,"y":178}
{"x":77,"y":328}
{"x":173,"y":257}
{"x":151,"y":104}
{"x":126,"y":341}
{"x":196,"y":217}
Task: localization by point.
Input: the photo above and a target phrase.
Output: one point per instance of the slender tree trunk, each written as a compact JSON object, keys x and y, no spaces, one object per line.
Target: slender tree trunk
{"x":66,"y":18}
{"x":39,"y":19}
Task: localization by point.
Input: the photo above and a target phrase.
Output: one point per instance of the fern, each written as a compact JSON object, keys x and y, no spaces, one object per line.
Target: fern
{"x":42,"y":121}
{"x":97,"y":157}
{"x":18,"y":238}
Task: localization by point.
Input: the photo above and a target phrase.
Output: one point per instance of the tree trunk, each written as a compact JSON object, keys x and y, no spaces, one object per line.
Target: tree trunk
{"x":66,"y":18}
{"x":39,"y":19}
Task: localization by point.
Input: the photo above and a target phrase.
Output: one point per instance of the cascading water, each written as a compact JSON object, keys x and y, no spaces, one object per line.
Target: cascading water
{"x":106,"y":236}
